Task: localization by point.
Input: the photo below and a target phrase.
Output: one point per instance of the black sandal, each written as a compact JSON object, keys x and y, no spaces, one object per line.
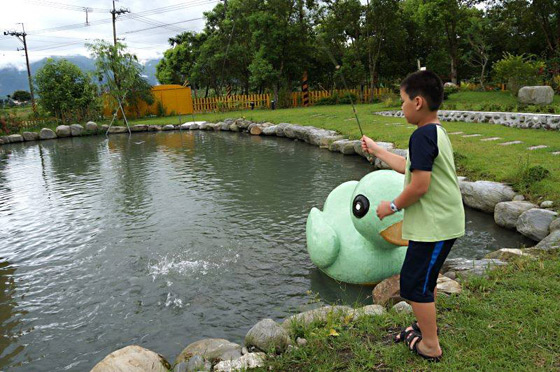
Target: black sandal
{"x":399,"y":337}
{"x":414,"y":335}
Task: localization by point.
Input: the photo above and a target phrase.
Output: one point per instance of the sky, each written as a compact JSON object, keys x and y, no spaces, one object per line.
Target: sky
{"x":141,"y":28}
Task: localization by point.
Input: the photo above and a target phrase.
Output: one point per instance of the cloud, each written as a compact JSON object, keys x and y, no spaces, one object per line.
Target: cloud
{"x":40,"y":15}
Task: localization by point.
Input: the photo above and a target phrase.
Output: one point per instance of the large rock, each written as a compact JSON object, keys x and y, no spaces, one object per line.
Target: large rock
{"x":92,"y":127}
{"x":76,"y":130}
{"x":554,"y":225}
{"x":118,"y":129}
{"x":280,"y":129}
{"x":195,"y":364}
{"x":211,"y":349}
{"x":466,"y":266}
{"x":154,"y":128}
{"x":255,"y":130}
{"x":535,"y":223}
{"x":46,"y":134}
{"x":370,"y":310}
{"x":268,"y":335}
{"x":387,"y":291}
{"x":30,"y":136}
{"x":168,"y":127}
{"x":317,"y":315}
{"x":15,"y":138}
{"x":506,"y":254}
{"x":132,"y":359}
{"x":139,"y":128}
{"x":507,"y":213}
{"x":326,"y":141}
{"x":447,"y":286}
{"x":536,"y":95}
{"x":551,"y":241}
{"x":402,"y":307}
{"x":247,"y":361}
{"x":63,"y":131}
{"x":484,"y":195}
{"x":316,"y":135}
{"x":269,"y":131}
{"x":348,"y":148}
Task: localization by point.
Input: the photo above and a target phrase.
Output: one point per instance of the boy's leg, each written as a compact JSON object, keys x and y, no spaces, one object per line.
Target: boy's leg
{"x":426,"y":316}
{"x":418,"y":285}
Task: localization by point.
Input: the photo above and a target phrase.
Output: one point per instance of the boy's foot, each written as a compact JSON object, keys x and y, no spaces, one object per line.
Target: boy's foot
{"x":414,"y":343}
{"x":403,"y":333}
{"x":401,"y":336}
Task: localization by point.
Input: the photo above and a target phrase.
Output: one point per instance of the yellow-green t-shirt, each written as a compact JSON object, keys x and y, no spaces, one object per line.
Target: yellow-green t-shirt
{"x":439,"y":214}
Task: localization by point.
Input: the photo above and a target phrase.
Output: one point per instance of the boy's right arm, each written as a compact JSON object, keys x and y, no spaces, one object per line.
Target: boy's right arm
{"x":396,"y":162}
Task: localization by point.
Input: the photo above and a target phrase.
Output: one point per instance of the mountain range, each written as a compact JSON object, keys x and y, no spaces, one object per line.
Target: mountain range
{"x":12,"y":79}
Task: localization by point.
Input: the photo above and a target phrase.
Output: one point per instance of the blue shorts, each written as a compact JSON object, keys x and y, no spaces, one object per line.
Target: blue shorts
{"x":421,"y":267}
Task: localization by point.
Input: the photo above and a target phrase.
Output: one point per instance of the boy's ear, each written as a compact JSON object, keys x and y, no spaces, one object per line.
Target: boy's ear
{"x":418,"y":102}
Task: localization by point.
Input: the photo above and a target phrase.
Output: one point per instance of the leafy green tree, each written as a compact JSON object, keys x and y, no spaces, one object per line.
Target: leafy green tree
{"x":21,"y":95}
{"x":66,"y":91}
{"x":120,"y":73}
{"x":518,"y":71}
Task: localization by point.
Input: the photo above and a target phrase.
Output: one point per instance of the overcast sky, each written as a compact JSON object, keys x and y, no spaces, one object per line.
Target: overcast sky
{"x":143,"y":36}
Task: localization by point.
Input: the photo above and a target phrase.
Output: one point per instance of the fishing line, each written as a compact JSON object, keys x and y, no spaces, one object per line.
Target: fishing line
{"x":337,"y":67}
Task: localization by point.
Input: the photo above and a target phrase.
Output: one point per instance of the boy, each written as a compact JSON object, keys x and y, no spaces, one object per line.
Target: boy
{"x":433,"y":209}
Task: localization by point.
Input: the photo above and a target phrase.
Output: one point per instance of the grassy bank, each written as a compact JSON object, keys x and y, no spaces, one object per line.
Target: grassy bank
{"x":509,"y":321}
{"x":476,"y":159}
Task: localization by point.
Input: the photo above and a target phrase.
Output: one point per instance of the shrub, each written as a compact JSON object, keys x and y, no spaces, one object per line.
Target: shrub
{"x":347,"y":99}
{"x":518,"y":70}
{"x":326,"y":101}
{"x":449,"y":89}
{"x":528,"y":175}
{"x":468,"y":87}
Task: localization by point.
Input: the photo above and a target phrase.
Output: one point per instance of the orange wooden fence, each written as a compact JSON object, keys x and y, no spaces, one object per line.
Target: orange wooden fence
{"x":243,"y":101}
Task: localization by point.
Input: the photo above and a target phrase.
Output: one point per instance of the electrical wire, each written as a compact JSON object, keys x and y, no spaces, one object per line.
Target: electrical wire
{"x":53,"y":4}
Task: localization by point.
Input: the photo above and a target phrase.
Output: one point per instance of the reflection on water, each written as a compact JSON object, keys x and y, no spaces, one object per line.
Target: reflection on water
{"x":162,"y":239}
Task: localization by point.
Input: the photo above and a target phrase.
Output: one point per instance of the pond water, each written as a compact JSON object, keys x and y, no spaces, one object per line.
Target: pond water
{"x":164,"y":239}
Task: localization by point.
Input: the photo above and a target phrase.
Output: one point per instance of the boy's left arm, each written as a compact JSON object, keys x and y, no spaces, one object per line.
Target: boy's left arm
{"x":418,"y":186}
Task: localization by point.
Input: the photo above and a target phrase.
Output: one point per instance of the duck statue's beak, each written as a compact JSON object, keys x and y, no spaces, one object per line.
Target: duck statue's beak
{"x":393,"y":234}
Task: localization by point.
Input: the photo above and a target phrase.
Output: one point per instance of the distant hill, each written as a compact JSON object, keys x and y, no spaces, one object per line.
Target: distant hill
{"x":11,"y":79}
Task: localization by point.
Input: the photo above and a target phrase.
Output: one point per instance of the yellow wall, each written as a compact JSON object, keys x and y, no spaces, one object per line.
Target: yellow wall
{"x":175,"y":98}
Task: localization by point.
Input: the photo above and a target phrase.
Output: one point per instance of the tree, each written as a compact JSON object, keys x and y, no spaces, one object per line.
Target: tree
{"x":65,"y":91}
{"x":120,"y":74}
{"x":21,"y":95}
{"x":478,"y":55}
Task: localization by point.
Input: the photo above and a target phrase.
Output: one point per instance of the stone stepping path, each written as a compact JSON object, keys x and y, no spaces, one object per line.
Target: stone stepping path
{"x":456,"y":133}
{"x":510,"y":143}
{"x":556,"y":153}
{"x":350,"y":119}
{"x":491,"y":139}
{"x":472,"y":135}
{"x":537,"y":147}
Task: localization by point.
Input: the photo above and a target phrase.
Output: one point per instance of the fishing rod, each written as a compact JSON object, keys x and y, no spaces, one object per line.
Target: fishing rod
{"x":337,"y":67}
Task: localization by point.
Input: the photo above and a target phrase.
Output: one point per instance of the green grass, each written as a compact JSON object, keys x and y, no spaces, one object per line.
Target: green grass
{"x":509,"y":321}
{"x":495,"y":101}
{"x":476,"y":159}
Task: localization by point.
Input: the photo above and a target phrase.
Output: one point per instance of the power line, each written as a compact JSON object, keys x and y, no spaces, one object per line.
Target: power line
{"x":173,"y":23}
{"x":53,"y":4}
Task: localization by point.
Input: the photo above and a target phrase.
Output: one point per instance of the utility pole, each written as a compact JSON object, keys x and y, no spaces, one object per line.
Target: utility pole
{"x":21,"y":36}
{"x":115,"y":13}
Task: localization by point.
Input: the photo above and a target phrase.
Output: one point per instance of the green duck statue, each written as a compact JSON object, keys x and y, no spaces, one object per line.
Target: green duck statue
{"x":347,"y":241}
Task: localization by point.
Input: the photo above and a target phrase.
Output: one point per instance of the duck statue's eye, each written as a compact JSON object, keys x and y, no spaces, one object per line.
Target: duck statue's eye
{"x":360,"y":206}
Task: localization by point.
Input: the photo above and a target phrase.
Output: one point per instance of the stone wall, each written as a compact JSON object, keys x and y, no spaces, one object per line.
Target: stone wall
{"x":509,"y":119}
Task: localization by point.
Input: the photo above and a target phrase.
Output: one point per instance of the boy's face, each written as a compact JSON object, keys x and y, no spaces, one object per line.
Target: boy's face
{"x":411,"y":108}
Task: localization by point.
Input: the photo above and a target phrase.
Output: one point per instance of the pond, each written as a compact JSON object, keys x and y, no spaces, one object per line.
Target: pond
{"x":164,"y":239}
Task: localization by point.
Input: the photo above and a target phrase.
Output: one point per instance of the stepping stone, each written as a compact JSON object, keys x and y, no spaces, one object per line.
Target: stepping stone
{"x":456,"y":133}
{"x":556,"y":153}
{"x":510,"y":143}
{"x":349,"y":119}
{"x":537,"y":147}
{"x":472,"y":135}
{"x":411,"y":127}
{"x":491,"y":139}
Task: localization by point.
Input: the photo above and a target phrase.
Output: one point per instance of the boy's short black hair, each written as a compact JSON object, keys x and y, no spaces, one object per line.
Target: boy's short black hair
{"x":426,"y":84}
